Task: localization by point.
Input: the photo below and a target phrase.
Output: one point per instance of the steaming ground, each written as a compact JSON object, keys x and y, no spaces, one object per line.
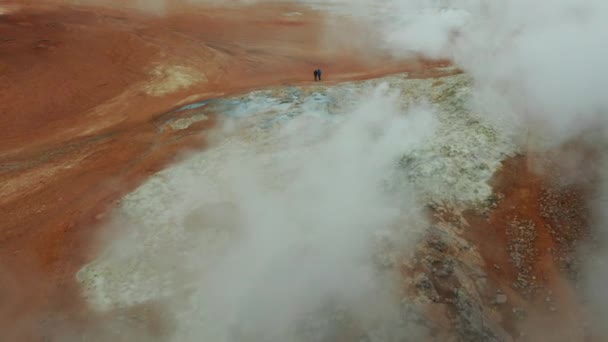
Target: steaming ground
{"x":290,"y":226}
{"x":306,"y":217}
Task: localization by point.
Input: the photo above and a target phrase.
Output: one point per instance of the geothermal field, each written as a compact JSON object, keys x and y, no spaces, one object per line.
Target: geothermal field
{"x":172,"y":171}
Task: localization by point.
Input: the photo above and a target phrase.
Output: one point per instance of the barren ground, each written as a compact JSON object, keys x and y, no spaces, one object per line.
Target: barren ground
{"x":529,"y":242}
{"x":82,"y":91}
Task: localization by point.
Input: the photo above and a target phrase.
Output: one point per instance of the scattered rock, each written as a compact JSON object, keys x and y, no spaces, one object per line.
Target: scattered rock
{"x":500,"y":299}
{"x":519,"y":313}
{"x":423,"y":282}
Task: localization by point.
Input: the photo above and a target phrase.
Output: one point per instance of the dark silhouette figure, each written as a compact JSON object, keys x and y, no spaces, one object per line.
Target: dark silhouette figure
{"x":316,"y":74}
{"x":319,"y":73}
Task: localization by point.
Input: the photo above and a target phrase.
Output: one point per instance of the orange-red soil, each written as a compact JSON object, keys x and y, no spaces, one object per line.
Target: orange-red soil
{"x":78,"y":129}
{"x":78,"y":122}
{"x":554,"y":218}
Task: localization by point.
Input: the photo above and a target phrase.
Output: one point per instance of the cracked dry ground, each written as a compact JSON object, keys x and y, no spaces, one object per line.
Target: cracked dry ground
{"x":508,"y":271}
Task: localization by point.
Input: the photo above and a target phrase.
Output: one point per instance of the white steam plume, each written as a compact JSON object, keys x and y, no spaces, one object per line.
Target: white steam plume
{"x":540,"y":69}
{"x":308,"y":223}
{"x":277,"y":235}
{"x":537,"y":62}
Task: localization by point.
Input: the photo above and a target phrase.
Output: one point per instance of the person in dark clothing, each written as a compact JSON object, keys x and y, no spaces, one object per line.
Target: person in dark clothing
{"x":319,"y":73}
{"x":316,"y":74}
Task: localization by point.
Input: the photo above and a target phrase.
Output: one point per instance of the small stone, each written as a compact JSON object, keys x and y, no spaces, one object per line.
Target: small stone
{"x":500,"y":299}
{"x":481,"y":283}
{"x":423,"y":283}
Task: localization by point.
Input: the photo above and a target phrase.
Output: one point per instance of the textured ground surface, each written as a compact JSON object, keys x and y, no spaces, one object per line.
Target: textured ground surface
{"x":491,"y":267}
{"x":92,"y":107}
{"x":83,"y":91}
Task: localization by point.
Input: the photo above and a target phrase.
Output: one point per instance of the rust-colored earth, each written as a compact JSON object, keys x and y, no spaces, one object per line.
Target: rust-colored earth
{"x":81,"y":92}
{"x":529,"y":243}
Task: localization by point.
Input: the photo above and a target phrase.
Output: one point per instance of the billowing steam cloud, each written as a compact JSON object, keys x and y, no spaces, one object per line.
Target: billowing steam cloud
{"x":272,"y":237}
{"x":541,"y":63}
{"x":540,"y":71}
{"x":307,"y":222}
